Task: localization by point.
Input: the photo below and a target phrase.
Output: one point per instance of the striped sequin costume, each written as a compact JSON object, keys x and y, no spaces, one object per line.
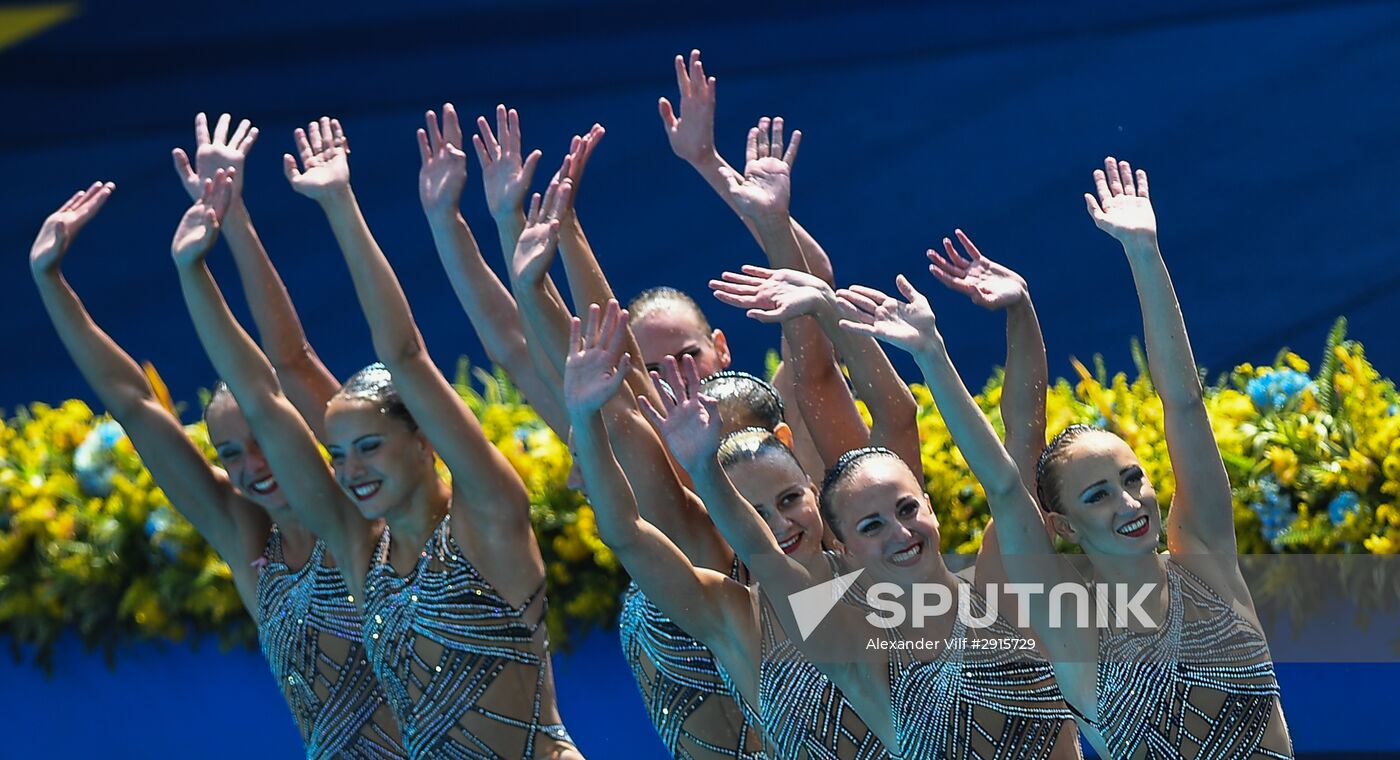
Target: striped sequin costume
{"x":454,"y":657}
{"x":975,"y":700}
{"x":309,"y":631}
{"x":1201,"y":686}
{"x":804,"y":714}
{"x":695,"y":712}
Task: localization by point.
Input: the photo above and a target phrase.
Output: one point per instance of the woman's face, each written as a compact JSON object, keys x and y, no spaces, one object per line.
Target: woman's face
{"x":786,"y":500}
{"x":1108,"y":507}
{"x":676,"y":332}
{"x":240,"y":455}
{"x":377,"y":459}
{"x":884,"y":520}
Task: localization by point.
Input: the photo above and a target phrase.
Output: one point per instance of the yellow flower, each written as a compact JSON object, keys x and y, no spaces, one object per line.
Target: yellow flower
{"x":1378,"y":544}
{"x":1284,"y":463}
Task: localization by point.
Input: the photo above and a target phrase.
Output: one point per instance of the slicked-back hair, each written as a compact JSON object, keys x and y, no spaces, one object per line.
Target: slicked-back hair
{"x":840,"y":472}
{"x":664,"y":298}
{"x":750,"y":444}
{"x":1047,"y":468}
{"x":744,"y":397}
{"x":375,"y":385}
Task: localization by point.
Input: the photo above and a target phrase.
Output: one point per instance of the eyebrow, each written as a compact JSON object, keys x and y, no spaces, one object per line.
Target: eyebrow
{"x":1121,"y":473}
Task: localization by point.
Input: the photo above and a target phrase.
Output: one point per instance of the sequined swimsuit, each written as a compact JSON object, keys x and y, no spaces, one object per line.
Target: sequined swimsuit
{"x":440,"y":638}
{"x":1202,"y":685}
{"x":692,"y":706}
{"x":804,"y":714}
{"x":975,"y":702}
{"x":335,"y":699}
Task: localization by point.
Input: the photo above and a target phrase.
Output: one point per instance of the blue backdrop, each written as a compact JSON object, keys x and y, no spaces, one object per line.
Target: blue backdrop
{"x":1269,"y":128}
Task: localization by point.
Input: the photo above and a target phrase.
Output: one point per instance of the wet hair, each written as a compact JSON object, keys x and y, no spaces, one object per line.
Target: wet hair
{"x":744,"y":399}
{"x":375,"y":385}
{"x":750,"y":444}
{"x":1047,"y":482}
{"x":220,"y":392}
{"x":664,"y":298}
{"x":842,"y":471}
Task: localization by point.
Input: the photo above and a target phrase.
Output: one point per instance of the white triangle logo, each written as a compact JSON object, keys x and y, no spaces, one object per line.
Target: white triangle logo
{"x":811,"y":606}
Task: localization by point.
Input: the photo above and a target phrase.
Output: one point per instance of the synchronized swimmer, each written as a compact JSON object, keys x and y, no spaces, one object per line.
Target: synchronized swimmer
{"x":402,"y":614}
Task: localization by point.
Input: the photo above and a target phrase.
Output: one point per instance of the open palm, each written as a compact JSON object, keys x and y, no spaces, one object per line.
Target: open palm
{"x":906,"y":325}
{"x":1123,"y":207}
{"x":539,"y":241}
{"x":325,"y":163}
{"x":689,"y":424}
{"x":692,"y":133}
{"x":989,"y":284}
{"x":64,"y":224}
{"x":443,"y":173}
{"x":773,"y":295}
{"x":596,"y":364}
{"x":504,"y":172}
{"x":222,"y":150}
{"x":199,"y":227}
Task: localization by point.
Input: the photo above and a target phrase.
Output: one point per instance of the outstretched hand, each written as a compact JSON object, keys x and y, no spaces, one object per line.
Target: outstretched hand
{"x":763,"y":191}
{"x":539,"y":241}
{"x":596,"y":365}
{"x":503,"y":171}
{"x":444,"y":170}
{"x":906,"y":325}
{"x":325,"y":166}
{"x":773,"y":295}
{"x":689,"y":423}
{"x":692,"y":134}
{"x":989,"y":284}
{"x":224,"y":150}
{"x":580,"y":150}
{"x":1123,"y":208}
{"x":199,"y":227}
{"x":64,"y":224}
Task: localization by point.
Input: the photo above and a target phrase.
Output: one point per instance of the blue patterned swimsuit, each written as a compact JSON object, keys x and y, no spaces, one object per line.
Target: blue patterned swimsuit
{"x":309,"y":631}
{"x":976,"y":700}
{"x":1200,"y":686}
{"x":694,"y":710}
{"x":454,"y":657}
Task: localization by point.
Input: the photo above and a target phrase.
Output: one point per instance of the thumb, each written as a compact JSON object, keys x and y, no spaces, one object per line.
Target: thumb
{"x":668,"y":116}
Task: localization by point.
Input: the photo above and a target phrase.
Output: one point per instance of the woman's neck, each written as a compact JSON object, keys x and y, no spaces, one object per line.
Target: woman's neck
{"x":412,"y":524}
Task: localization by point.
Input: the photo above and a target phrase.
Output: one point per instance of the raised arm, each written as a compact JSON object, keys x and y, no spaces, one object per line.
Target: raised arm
{"x":286,"y":439}
{"x":544,"y":315}
{"x":691,"y":427}
{"x":1201,"y":519}
{"x":785,"y":295}
{"x":587,"y":283}
{"x":692,"y":138}
{"x":236,"y":528}
{"x":702,"y":601}
{"x":488,"y":493}
{"x":995,"y":287}
{"x":300,"y":371}
{"x":487,"y":302}
{"x":1027,"y":552}
{"x":506,"y":174}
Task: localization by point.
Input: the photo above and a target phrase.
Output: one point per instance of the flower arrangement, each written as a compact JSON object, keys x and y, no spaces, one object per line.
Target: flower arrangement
{"x":89,"y":543}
